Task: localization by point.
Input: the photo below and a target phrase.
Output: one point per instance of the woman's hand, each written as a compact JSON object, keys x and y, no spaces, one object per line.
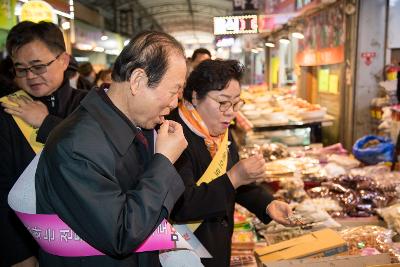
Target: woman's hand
{"x":247,"y":171}
{"x":281,"y":212}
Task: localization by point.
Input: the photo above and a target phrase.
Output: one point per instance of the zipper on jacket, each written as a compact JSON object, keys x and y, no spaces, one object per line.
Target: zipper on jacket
{"x":53,"y":103}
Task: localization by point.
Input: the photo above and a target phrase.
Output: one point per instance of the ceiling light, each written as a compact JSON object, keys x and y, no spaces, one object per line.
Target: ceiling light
{"x":298,"y":35}
{"x":104,"y":37}
{"x":284,"y":40}
{"x":98,"y":49}
{"x":66,"y":25}
{"x":269,"y":44}
{"x":83,"y":46}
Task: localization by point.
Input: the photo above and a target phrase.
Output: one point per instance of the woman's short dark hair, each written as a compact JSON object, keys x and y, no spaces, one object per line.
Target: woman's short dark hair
{"x":149,"y":51}
{"x":211,"y":75}
{"x":27,"y":31}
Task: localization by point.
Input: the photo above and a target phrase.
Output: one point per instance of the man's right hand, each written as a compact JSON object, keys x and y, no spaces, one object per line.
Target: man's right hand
{"x":247,"y":171}
{"x":170,"y":140}
{"x":31,"y":112}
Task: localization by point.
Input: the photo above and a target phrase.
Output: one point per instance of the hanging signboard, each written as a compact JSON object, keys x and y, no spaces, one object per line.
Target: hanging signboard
{"x":324,"y":38}
{"x":60,"y":5}
{"x":268,"y":23}
{"x":367,"y":57}
{"x":325,"y":56}
{"x":235,"y":24}
{"x":302,"y":5}
{"x":324,"y":29}
{"x":279,"y":6}
{"x":7,"y":17}
{"x":245,"y":5}
{"x":37,"y":11}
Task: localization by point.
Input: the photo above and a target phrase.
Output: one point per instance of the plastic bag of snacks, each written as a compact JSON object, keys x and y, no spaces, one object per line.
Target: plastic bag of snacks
{"x":391,"y":215}
{"x":372,"y":149}
{"x":370,"y":236}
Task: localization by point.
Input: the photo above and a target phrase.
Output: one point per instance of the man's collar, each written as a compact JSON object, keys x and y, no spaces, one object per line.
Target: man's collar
{"x":62,"y":94}
{"x":114,"y":123}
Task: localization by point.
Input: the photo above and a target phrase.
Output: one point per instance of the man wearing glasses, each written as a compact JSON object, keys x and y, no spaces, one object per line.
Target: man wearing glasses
{"x":26,"y":119}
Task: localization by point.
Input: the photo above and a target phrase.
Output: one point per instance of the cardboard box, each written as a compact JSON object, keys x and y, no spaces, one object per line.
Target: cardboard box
{"x":360,"y":221}
{"x":321,"y":243}
{"x":386,"y":265}
{"x":334,"y":261}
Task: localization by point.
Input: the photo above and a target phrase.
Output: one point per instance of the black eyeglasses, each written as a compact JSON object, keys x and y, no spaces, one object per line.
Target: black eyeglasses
{"x":35,"y":69}
{"x":225,"y":105}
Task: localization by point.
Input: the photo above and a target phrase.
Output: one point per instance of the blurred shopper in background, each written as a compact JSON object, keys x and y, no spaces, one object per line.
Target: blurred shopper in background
{"x":199,"y":55}
{"x":72,"y":73}
{"x":87,"y":76}
{"x":7,"y":76}
{"x":104,"y":76}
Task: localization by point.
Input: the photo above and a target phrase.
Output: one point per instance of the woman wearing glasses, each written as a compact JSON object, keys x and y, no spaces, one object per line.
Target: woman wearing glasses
{"x":214,"y":176}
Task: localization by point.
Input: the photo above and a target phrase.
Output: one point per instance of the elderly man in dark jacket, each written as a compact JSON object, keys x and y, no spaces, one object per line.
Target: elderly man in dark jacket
{"x":39,"y":58}
{"x":103,"y":172}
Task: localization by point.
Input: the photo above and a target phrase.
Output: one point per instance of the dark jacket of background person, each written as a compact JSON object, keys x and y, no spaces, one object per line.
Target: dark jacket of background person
{"x":108,"y":156}
{"x":72,"y":73}
{"x":7,"y":84}
{"x":87,"y":76}
{"x":398,"y":86}
{"x":215,"y":201}
{"x":84,"y":84}
{"x":15,"y":155}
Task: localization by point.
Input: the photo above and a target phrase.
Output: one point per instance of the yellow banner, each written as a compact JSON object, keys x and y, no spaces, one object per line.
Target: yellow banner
{"x":36,"y":11}
{"x":216,"y":168}
{"x":27,"y":130}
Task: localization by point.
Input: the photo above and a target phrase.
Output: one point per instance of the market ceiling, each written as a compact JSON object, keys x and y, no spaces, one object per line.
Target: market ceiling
{"x":171,"y":16}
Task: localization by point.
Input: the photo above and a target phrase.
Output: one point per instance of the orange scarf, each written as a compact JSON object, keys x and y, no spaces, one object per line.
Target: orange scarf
{"x":193,"y":120}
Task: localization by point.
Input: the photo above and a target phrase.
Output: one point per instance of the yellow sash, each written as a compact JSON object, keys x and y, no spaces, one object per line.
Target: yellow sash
{"x":216,"y":168}
{"x":27,"y":130}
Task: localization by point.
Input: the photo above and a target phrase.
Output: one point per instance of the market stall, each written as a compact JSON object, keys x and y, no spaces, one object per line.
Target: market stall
{"x":280,"y":116}
{"x":337,"y":197}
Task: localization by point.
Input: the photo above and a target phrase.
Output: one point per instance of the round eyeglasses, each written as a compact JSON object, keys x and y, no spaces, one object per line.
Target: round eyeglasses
{"x":226,"y":105}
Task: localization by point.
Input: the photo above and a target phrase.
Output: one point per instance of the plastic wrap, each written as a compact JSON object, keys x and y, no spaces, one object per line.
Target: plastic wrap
{"x":370,"y":236}
{"x":270,"y":151}
{"x":358,"y":195}
{"x":391,"y":215}
{"x":372,"y":149}
{"x":291,"y":190}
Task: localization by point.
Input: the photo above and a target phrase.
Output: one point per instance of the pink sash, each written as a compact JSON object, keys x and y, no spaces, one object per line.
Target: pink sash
{"x":57,"y":238}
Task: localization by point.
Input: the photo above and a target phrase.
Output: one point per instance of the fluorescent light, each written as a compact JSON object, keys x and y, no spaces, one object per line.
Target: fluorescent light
{"x":126,"y":42}
{"x":269,"y":44}
{"x":98,"y":49}
{"x":284,"y":40}
{"x":81,"y":59}
{"x":112,"y":51}
{"x":66,"y":25}
{"x":104,"y":37}
{"x":83,"y":46}
{"x":298,"y":35}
